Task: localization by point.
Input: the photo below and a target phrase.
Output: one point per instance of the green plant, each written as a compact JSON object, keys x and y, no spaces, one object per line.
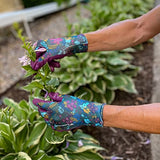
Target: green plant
{"x":24,"y":135}
{"x":99,"y":74}
{"x":32,"y":3}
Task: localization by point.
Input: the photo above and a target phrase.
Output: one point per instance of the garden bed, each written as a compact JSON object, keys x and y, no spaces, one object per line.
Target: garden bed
{"x":126,"y":144}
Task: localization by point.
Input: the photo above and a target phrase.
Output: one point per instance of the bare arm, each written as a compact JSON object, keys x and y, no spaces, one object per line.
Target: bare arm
{"x":125,"y":33}
{"x":144,"y":118}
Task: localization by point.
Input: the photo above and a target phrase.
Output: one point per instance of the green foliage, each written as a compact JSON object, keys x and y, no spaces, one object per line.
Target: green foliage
{"x":32,"y":3}
{"x":24,"y":135}
{"x":101,"y":72}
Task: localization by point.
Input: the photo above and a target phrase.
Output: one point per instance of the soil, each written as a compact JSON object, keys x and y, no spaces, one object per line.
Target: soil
{"x":120,"y":143}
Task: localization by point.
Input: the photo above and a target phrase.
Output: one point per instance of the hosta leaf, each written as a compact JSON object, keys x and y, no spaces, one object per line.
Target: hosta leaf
{"x":6,"y":131}
{"x":23,"y":104}
{"x":32,"y":116}
{"x":74,"y":148}
{"x":131,"y":50}
{"x":68,"y":62}
{"x":18,"y":112}
{"x":73,"y":86}
{"x":80,"y":135}
{"x":53,"y":82}
{"x":5,"y":145}
{"x":22,"y":134}
{"x":83,"y":56}
{"x":109,"y":96}
{"x":57,"y":137}
{"x":87,"y":155}
{"x":100,"y":71}
{"x":92,"y":78}
{"x":100,"y":98}
{"x":31,"y":103}
{"x":116,"y":61}
{"x":33,"y":151}
{"x":129,"y":87}
{"x":63,"y":89}
{"x":44,"y":145}
{"x":33,"y":84}
{"x":87,"y":71}
{"x":99,"y":86}
{"x":84,"y":93}
{"x":66,"y":77}
{"x":36,"y":134}
{"x":10,"y":156}
{"x":23,"y":156}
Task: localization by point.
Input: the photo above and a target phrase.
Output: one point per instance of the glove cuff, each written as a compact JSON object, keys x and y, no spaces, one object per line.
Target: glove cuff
{"x":78,"y":44}
{"x":97,"y":115}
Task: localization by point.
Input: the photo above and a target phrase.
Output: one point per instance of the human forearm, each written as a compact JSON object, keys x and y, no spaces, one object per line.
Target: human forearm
{"x":145,"y":118}
{"x":125,"y":33}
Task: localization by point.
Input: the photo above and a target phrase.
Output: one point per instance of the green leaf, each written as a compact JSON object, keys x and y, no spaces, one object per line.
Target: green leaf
{"x":129,"y":87}
{"x":99,"y":86}
{"x":74,"y":148}
{"x":84,"y":93}
{"x":57,"y":137}
{"x":53,"y":82}
{"x":36,"y":134}
{"x":87,"y":155}
{"x":44,"y":145}
{"x":100,"y":98}
{"x":66,"y":77}
{"x":29,"y":70}
{"x":31,"y":103}
{"x":23,"y":156}
{"x":10,"y":156}
{"x":63,"y":89}
{"x":73,"y":86}
{"x":33,"y":84}
{"x":131,"y":50}
{"x":23,"y":104}
{"x":116,"y":61}
{"x":18,"y":111}
{"x":109,"y":96}
{"x":80,"y":135}
{"x":22,"y":133}
{"x":5,"y":145}
{"x":100,"y":71}
{"x":46,"y":69}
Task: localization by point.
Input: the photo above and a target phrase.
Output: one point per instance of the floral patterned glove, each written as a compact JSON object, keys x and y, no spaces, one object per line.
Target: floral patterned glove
{"x":70,"y":113}
{"x":51,"y":49}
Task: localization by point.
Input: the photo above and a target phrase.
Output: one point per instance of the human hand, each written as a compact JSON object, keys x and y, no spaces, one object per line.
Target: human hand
{"x":70,"y":113}
{"x":51,"y":49}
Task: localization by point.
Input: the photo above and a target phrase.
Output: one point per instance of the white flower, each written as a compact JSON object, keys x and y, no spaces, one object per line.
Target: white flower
{"x":24,"y":60}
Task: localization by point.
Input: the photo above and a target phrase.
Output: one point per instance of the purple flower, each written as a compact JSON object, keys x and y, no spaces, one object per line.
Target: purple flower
{"x":80,"y":143}
{"x":24,"y":60}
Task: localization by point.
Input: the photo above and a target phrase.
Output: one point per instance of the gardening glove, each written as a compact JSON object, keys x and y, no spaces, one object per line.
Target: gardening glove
{"x":51,"y":49}
{"x":70,"y":113}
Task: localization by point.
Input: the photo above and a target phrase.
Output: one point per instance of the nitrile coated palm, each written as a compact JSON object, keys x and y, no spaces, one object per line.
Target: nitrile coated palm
{"x":58,"y":48}
{"x":70,"y":113}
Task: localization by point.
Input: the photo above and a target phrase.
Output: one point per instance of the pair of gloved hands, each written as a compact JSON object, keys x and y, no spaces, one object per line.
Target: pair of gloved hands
{"x":71,"y":112}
